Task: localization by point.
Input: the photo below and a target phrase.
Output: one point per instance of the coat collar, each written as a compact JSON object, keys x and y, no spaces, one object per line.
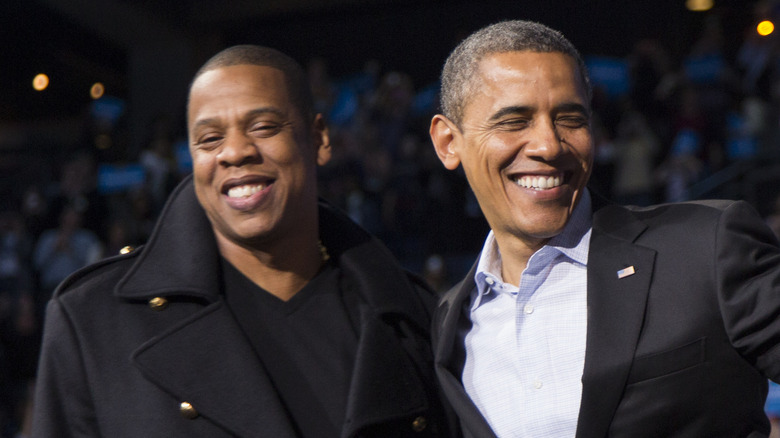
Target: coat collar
{"x":206,"y":360}
{"x":171,"y":265}
{"x":181,"y":256}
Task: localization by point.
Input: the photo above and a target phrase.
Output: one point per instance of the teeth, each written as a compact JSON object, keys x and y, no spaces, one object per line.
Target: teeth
{"x":244,"y":191}
{"x":539,"y":182}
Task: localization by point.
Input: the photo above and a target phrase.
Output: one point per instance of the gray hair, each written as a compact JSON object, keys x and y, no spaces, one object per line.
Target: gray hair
{"x":502,"y":37}
{"x":294,"y":75}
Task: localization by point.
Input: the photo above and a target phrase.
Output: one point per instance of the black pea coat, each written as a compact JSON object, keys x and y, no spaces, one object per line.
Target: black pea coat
{"x":144,"y":345}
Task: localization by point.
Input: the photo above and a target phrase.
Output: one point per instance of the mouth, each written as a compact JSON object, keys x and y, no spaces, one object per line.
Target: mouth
{"x":245,"y":191}
{"x":246,"y":187}
{"x":541,"y":182}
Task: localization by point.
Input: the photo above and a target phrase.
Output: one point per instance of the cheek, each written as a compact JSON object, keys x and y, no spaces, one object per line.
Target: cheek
{"x":202,"y":165}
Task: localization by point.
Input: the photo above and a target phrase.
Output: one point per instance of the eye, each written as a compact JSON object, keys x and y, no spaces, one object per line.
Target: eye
{"x":264,"y":129}
{"x":572,"y":122}
{"x":512,"y":124}
{"x":208,"y":141}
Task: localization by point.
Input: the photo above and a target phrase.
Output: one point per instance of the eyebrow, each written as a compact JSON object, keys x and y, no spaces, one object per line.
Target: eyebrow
{"x":569,"y":107}
{"x":251,"y":113}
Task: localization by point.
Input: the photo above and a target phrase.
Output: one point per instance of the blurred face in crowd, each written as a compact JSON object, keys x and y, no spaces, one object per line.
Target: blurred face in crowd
{"x":254,"y":155}
{"x":524,"y":143}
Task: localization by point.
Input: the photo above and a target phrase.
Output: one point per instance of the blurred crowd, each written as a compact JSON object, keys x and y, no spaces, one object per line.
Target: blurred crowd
{"x":663,"y":126}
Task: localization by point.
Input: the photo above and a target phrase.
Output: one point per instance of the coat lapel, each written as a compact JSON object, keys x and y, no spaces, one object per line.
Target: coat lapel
{"x":206,"y":362}
{"x":384,"y":382}
{"x":619,"y":276}
{"x":449,"y":320}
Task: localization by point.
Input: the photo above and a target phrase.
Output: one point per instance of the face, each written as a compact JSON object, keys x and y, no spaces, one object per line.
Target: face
{"x":254,"y":155}
{"x":524,"y":143}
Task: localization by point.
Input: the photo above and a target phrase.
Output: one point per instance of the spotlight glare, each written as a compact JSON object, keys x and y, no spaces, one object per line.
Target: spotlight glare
{"x":40,"y":82}
{"x":97,"y":90}
{"x":699,"y":5}
{"x":765,"y":28}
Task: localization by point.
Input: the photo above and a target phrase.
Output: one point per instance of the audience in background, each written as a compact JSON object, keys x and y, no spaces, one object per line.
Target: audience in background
{"x":682,"y":126}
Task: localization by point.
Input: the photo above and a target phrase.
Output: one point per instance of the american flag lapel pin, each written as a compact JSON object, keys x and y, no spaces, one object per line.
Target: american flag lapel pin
{"x":627,"y":272}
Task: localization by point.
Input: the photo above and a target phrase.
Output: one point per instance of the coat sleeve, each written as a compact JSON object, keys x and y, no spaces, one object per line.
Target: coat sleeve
{"x":62,"y":405}
{"x":748,"y":277}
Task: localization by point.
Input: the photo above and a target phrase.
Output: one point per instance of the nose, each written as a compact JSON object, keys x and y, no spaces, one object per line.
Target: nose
{"x":237,"y":149}
{"x":546,"y":143}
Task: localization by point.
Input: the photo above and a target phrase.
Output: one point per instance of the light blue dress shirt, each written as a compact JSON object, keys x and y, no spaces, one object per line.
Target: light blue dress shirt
{"x":525,"y":351}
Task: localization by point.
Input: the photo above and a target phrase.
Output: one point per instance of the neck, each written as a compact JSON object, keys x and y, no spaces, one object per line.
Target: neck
{"x":281,"y":269}
{"x":515,"y":254}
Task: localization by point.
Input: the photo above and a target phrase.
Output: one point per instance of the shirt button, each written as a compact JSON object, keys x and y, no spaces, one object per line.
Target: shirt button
{"x":538,"y":384}
{"x":489,"y":280}
{"x":528,"y":309}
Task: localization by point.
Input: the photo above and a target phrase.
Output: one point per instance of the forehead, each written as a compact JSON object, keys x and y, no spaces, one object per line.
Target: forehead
{"x":516,"y":77}
{"x":237,"y":86}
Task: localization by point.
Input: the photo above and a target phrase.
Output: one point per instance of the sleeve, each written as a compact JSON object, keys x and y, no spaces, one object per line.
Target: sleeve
{"x":62,"y":405}
{"x":748,"y":275}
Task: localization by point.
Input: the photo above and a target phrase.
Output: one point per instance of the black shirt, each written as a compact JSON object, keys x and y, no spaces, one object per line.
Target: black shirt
{"x":307,"y":345}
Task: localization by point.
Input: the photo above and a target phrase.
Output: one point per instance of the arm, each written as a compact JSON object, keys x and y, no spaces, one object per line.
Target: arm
{"x":748,"y":277}
{"x":63,"y":405}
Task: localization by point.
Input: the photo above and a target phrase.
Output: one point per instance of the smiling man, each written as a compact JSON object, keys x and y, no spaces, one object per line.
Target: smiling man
{"x":581,"y":318}
{"x":254,"y":310}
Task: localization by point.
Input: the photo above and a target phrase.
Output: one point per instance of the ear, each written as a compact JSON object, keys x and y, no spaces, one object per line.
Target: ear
{"x":321,"y":140}
{"x":444,"y":135}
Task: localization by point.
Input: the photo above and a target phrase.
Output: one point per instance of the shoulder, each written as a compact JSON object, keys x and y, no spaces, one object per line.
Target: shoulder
{"x":679,"y":213}
{"x":97,"y":279}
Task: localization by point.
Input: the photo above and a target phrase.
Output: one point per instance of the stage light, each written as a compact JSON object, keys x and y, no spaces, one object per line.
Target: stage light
{"x":699,"y":5}
{"x":97,"y":90}
{"x":40,"y":82}
{"x":765,"y":28}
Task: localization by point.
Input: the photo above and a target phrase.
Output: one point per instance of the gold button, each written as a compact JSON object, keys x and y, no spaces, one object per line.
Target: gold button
{"x":158,"y":303}
{"x":419,"y":424}
{"x":126,"y":249}
{"x":187,"y":411}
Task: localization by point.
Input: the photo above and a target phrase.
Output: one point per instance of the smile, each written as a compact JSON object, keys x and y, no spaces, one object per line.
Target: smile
{"x":540,"y":182}
{"x":245,"y":191}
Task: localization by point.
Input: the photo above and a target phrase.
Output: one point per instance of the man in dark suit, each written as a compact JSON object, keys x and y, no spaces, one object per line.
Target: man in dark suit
{"x":582,"y":318}
{"x":253,"y":310}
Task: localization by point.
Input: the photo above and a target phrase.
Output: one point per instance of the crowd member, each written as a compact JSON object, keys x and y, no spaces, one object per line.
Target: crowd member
{"x":582,"y":318}
{"x":61,"y":251}
{"x":253,"y":310}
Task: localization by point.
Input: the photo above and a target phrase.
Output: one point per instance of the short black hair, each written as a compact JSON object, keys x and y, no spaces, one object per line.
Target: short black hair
{"x":506,"y":36}
{"x":248,"y":54}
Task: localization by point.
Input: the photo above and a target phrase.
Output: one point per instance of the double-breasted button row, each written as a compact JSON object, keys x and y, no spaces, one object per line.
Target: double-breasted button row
{"x":187,"y":410}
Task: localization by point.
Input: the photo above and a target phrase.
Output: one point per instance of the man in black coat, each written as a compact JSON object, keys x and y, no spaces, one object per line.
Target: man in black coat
{"x":253,"y":310}
{"x":583,"y":319}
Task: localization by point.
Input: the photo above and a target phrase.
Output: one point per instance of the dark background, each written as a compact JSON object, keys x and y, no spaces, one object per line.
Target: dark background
{"x":78,"y":42}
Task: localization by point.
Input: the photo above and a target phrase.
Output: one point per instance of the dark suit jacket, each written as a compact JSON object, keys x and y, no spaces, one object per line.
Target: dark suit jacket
{"x":681,"y":348}
{"x":114,"y":366}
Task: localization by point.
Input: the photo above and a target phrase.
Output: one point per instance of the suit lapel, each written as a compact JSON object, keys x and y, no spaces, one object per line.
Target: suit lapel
{"x":619,"y":276}
{"x":449,"y":320}
{"x":206,"y":362}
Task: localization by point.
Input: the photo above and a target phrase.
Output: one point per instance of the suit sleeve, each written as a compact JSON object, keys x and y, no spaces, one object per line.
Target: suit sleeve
{"x":62,"y":407}
{"x":748,"y":275}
